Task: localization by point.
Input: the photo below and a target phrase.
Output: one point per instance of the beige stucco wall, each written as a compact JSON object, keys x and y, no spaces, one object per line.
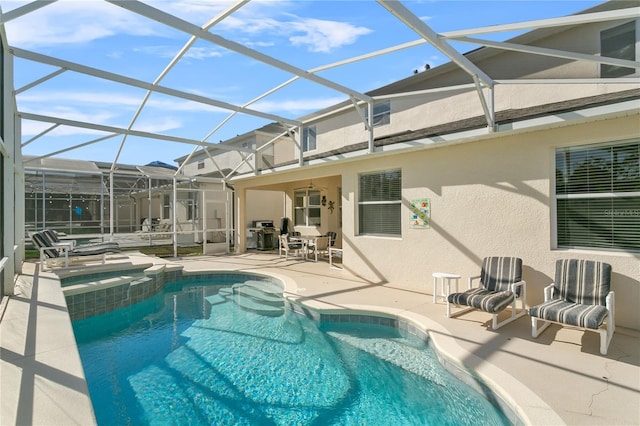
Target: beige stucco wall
{"x":491,"y":197}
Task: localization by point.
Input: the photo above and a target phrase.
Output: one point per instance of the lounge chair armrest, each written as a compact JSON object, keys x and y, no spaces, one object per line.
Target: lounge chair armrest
{"x":548,"y":292}
{"x":520,"y":283}
{"x":610,"y":301}
{"x":471,"y":279}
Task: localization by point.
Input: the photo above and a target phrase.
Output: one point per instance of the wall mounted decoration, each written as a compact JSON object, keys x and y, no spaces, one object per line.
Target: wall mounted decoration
{"x":420,"y":213}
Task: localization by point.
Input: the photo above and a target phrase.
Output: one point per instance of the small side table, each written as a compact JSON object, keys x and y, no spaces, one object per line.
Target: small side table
{"x":445,"y":285}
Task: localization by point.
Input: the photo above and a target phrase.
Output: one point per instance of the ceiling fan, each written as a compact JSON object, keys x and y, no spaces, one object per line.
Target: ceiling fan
{"x":311,"y":186}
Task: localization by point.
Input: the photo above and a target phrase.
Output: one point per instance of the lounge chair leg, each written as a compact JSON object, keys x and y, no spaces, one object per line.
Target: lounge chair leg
{"x":535,"y":331}
{"x":514,"y":316}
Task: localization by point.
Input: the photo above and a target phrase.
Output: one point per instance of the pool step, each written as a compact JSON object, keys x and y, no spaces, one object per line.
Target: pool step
{"x":264,"y":286}
{"x":253,"y":303}
{"x":258,"y":294}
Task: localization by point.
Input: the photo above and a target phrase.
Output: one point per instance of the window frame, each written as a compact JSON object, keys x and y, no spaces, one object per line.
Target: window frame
{"x":374,"y":205}
{"x":309,"y":138}
{"x":306,"y":207}
{"x":381,"y":113}
{"x":623,"y":208}
{"x":619,"y":31}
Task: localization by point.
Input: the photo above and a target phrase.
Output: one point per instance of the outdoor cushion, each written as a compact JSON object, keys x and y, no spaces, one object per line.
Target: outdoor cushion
{"x":498,"y":273}
{"x":582,"y":281}
{"x":576,"y":314}
{"x":41,"y":242}
{"x":481,"y":298}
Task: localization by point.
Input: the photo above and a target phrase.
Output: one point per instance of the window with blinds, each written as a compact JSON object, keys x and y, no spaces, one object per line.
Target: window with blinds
{"x":379,"y":203}
{"x":598,"y":196}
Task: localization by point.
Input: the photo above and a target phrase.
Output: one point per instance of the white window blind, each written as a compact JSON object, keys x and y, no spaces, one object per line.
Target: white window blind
{"x":380,"y":202}
{"x":598,"y":196}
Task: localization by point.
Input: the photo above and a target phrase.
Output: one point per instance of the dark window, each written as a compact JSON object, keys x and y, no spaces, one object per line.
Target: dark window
{"x":620,"y":43}
{"x":309,"y":138}
{"x":381,"y":113}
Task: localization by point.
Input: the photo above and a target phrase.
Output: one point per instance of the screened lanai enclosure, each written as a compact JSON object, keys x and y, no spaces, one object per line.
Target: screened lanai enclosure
{"x":134,"y":205}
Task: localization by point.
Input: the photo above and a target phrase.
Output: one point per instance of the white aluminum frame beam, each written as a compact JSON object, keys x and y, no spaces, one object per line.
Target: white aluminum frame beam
{"x":189,"y":28}
{"x":24,"y":10}
{"x":94,"y":72}
{"x":417,"y":25}
{"x":479,"y":77}
{"x":586,"y":18}
{"x":118,"y":130}
{"x":168,"y":68}
{"x":544,"y":51}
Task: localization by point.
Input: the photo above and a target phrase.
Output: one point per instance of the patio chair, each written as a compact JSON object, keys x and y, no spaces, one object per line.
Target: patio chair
{"x":286,"y":246}
{"x":317,"y":246}
{"x":500,"y":286}
{"x":294,"y":236}
{"x":64,"y":253}
{"x":332,"y":236}
{"x":580,"y":297}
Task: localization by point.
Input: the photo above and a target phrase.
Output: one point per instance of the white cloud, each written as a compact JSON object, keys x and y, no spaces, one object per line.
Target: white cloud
{"x":296,"y":106}
{"x":315,"y":34}
{"x":170,"y":52}
{"x":73,"y":22}
{"x":325,"y":36}
{"x":158,"y":125}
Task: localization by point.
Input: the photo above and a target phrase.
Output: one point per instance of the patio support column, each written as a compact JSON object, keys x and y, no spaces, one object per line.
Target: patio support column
{"x":241,"y":232}
{"x":111,"y":206}
{"x":299,"y":139}
{"x":174,"y":206}
{"x":370,"y":126}
{"x":101,"y":207}
{"x":44,"y":206}
{"x":19,"y":200}
{"x":12,"y":233}
{"x":149,"y":224}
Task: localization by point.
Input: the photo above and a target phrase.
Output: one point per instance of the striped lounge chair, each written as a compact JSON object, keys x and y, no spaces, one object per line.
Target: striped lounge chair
{"x":500,"y":285}
{"x":580,"y":297}
{"x":62,"y":253}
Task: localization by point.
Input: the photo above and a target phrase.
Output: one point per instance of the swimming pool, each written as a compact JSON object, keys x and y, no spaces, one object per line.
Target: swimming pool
{"x":224,"y":353}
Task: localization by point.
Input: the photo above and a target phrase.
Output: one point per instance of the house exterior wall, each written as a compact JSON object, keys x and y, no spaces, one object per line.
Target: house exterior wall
{"x":490,"y":197}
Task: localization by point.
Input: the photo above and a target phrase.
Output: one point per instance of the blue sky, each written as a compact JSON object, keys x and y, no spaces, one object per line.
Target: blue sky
{"x":306,"y":34}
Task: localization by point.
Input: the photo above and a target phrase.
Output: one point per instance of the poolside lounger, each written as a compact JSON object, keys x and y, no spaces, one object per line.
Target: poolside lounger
{"x":580,"y":297}
{"x":50,"y":252}
{"x":53,"y":240}
{"x":500,"y":286}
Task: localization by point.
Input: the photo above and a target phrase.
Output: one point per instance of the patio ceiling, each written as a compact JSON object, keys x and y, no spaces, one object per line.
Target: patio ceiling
{"x":448,"y":44}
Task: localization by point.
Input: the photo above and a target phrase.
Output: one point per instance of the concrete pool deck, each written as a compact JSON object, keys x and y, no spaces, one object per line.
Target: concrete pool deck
{"x":559,"y":378}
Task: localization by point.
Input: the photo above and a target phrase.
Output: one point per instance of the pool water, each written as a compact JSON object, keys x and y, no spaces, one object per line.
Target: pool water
{"x":205,"y":354}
